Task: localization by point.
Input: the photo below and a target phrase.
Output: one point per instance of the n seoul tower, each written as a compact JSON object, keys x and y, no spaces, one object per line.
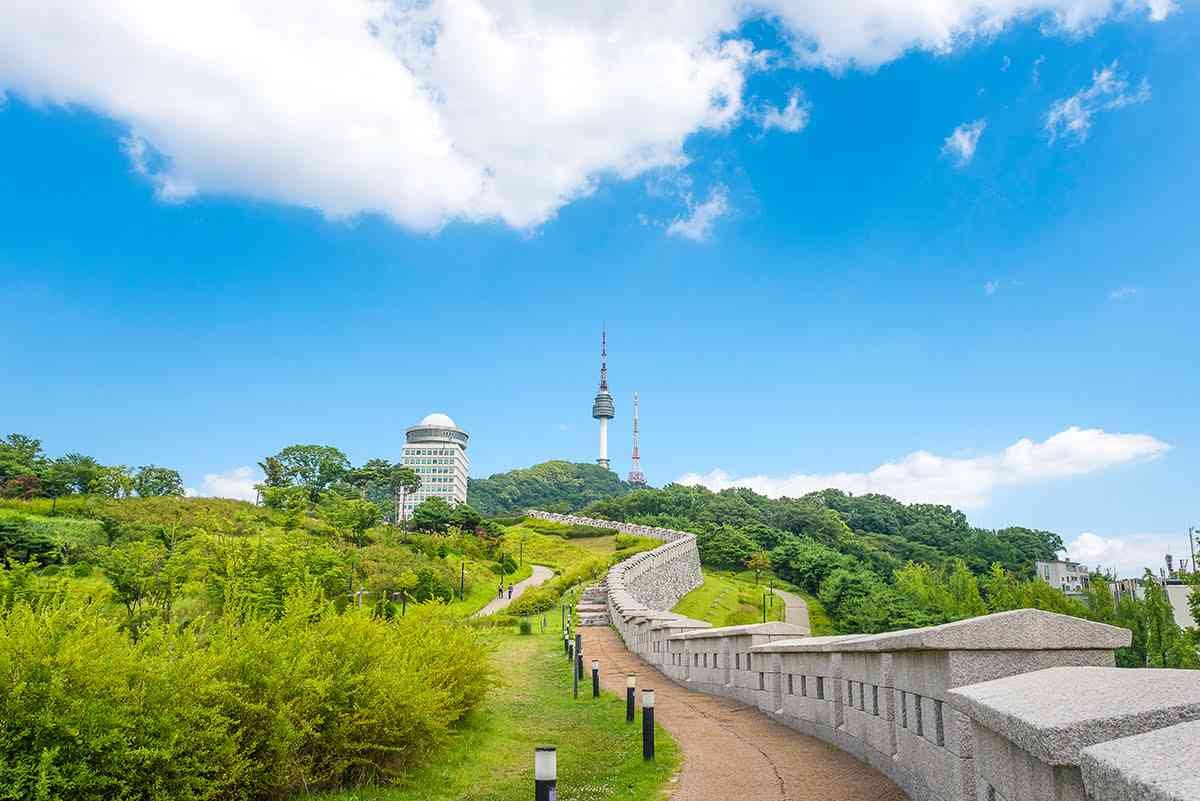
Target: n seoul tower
{"x":602,"y":407}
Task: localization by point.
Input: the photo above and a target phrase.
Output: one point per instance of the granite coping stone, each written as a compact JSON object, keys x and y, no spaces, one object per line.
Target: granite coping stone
{"x":773,"y":629}
{"x":1018,"y":630}
{"x":680,"y":623}
{"x":1057,"y":712}
{"x":1155,"y":766}
{"x":824,"y":644}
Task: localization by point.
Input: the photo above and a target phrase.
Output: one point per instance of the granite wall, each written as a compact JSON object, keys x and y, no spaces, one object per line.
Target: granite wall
{"x":1016,"y":706}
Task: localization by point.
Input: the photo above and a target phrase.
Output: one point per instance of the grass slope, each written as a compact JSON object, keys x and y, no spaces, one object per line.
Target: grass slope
{"x":599,"y":755}
{"x":724,"y":599}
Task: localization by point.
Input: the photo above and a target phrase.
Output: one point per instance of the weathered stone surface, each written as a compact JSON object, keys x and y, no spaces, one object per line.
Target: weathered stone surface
{"x":1021,"y":629}
{"x":774,"y":629}
{"x":1155,"y":766}
{"x":1055,"y":713}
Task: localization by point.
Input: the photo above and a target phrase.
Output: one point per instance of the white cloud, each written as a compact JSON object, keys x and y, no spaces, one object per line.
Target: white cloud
{"x":237,"y":483}
{"x":966,"y":483}
{"x":1127,"y":554}
{"x":791,"y":118}
{"x":1072,"y":116}
{"x":1037,"y":69}
{"x":990,"y":287}
{"x":1005,"y":64}
{"x":698,"y":224}
{"x":1123,"y":293}
{"x":449,"y":109}
{"x":961,"y":144}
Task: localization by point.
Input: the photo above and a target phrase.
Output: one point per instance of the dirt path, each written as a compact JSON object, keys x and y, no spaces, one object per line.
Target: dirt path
{"x":732,"y":751}
{"x":541,"y":574}
{"x":797,"y":609}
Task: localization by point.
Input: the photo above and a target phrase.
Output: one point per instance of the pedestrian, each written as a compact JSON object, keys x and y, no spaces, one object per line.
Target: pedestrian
{"x":500,"y":592}
{"x":510,"y":592}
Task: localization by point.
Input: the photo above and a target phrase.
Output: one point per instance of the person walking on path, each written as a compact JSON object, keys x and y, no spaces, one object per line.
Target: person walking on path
{"x":541,"y":574}
{"x":510,"y":592}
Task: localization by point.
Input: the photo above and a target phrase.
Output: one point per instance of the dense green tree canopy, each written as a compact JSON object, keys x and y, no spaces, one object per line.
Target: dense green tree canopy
{"x":550,"y":486}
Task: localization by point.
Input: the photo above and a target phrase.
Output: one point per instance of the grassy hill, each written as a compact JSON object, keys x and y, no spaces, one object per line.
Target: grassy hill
{"x":556,"y":486}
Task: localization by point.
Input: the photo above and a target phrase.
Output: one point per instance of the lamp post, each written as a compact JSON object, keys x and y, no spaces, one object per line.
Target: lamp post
{"x":595,"y":678}
{"x":630,"y":691}
{"x":462,"y":580}
{"x":545,"y":773}
{"x":647,"y":724}
{"x":1192,"y":544}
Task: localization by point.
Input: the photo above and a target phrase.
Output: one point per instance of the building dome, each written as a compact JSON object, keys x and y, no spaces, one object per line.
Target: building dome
{"x":438,"y":419}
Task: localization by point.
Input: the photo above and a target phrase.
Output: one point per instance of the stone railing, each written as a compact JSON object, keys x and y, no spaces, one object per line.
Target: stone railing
{"x":654,"y":579}
{"x":1015,"y":706}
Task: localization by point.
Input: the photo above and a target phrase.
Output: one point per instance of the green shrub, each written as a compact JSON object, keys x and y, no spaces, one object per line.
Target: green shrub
{"x":247,"y":707}
{"x":525,"y":627}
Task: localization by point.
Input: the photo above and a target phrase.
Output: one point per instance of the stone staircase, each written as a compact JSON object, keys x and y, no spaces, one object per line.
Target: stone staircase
{"x":592,"y":608}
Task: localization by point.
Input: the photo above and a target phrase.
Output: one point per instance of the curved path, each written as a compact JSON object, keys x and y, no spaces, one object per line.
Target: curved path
{"x":797,"y":609}
{"x":541,"y":574}
{"x":732,"y":751}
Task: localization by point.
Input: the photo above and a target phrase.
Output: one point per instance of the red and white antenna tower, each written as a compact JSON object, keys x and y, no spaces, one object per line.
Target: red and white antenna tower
{"x":636,"y":476}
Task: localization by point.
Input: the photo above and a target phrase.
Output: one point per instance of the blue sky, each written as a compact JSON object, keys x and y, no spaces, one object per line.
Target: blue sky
{"x":805,"y":273}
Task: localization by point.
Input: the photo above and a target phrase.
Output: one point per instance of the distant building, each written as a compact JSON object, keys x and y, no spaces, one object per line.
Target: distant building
{"x":1062,"y":574}
{"x":436,"y":450}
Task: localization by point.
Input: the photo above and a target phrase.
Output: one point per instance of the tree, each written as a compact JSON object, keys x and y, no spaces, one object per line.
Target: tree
{"x":20,"y":458}
{"x":1162,"y":633}
{"x":464,"y":517}
{"x":759,"y":562}
{"x":404,"y":481}
{"x":152,"y":481}
{"x":432,"y":514}
{"x":726,"y":547}
{"x":78,"y":473}
{"x":354,"y":516}
{"x":313,"y":467}
{"x":116,"y":482}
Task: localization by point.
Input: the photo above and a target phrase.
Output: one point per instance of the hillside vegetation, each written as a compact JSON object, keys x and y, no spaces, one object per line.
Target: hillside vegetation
{"x":551,"y":486}
{"x":876,"y":564}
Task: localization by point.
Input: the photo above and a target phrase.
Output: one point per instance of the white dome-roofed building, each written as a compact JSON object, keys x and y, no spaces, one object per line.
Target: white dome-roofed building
{"x":436,"y":450}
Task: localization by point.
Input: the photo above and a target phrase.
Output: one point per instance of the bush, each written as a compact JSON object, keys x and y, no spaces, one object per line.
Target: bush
{"x":247,"y":707}
{"x":525,"y":627}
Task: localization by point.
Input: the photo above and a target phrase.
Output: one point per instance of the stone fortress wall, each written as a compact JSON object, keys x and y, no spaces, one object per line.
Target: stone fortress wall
{"x":1015,"y":706}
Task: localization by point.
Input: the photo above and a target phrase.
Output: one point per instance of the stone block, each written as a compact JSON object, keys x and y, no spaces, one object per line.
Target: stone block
{"x":1055,"y":713}
{"x":1159,"y":765}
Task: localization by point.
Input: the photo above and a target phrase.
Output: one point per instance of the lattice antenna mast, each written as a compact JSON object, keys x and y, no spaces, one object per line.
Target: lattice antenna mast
{"x":636,"y":476}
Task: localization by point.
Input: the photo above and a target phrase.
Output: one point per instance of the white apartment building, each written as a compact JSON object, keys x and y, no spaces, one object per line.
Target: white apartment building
{"x":1062,"y":574}
{"x":436,"y":450}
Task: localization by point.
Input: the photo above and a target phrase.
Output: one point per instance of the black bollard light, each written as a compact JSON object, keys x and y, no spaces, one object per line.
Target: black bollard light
{"x":595,"y":678}
{"x":630,"y":692}
{"x":647,"y":724}
{"x":579,"y":655}
{"x":545,"y":773}
{"x":566,"y":642}
{"x":764,"y":607}
{"x":574,"y":673}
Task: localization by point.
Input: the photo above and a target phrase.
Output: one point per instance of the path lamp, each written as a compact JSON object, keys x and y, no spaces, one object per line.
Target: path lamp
{"x":647,"y":724}
{"x":630,"y":692}
{"x":578,"y":655}
{"x":595,"y":678}
{"x":545,"y":773}
{"x":566,"y":642}
{"x":462,"y":580}
{"x":764,"y":607}
{"x":1192,"y":532}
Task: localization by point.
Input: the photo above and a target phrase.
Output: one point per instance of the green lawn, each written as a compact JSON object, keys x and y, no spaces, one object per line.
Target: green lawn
{"x":599,"y":754}
{"x":725,"y":599}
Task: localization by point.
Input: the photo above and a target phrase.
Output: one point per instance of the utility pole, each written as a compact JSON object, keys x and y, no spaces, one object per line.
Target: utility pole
{"x":1192,"y":545}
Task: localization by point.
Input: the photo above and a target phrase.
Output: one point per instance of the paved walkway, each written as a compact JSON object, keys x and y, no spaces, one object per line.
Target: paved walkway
{"x":732,"y":751}
{"x":797,"y":609}
{"x":541,"y":574}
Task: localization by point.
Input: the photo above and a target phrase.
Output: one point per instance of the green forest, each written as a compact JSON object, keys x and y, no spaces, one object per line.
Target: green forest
{"x":550,"y":486}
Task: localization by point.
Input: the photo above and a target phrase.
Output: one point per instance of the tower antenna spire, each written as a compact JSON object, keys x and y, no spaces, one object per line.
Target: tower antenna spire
{"x":636,"y":477}
{"x":604,"y":359}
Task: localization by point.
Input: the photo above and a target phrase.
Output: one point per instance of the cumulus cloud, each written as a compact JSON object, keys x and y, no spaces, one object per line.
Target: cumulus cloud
{"x":990,"y":287}
{"x":237,"y":483}
{"x":791,"y":118}
{"x":698,"y":224}
{"x":449,"y":109}
{"x":961,"y":144}
{"x":1123,"y":293}
{"x":1127,"y":554}
{"x":967,"y":483}
{"x":1071,"y":117}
